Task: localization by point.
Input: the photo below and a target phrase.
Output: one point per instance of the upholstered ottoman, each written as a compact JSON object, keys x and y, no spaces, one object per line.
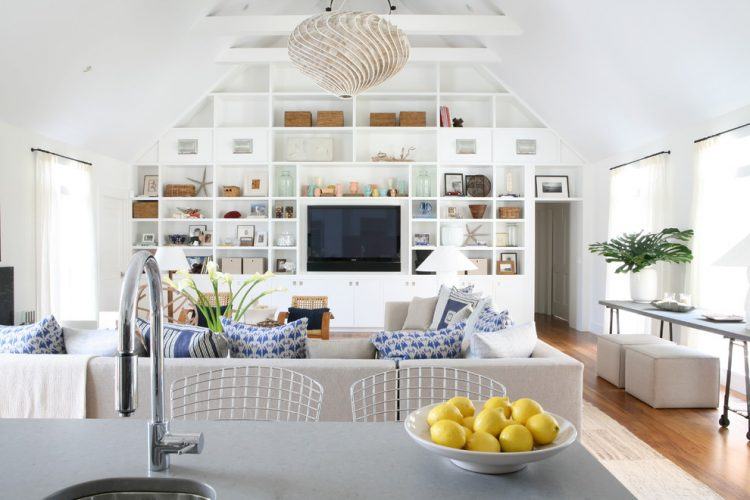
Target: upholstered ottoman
{"x":672,"y":376}
{"x":610,"y":355}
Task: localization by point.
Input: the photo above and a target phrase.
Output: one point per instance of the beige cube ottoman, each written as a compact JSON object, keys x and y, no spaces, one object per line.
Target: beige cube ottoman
{"x":672,"y":376}
{"x":610,"y":355}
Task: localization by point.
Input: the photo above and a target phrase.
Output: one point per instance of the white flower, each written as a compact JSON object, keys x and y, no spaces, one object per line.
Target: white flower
{"x":212,"y":273}
{"x":184,"y":284}
{"x":224,"y":278}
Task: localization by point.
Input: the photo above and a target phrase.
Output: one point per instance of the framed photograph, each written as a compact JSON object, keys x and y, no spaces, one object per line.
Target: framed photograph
{"x":261,"y":239}
{"x":148,"y":239}
{"x":466,"y":146}
{"x":454,"y":184}
{"x":197,"y":264}
{"x":525,"y":146}
{"x":510,"y":257}
{"x":151,"y":185}
{"x":247,"y":242}
{"x":258,"y":210}
{"x":245,"y":232}
{"x":278,"y":212}
{"x":452,"y":213}
{"x":242,"y":146}
{"x":187,"y":146}
{"x":256,"y":184}
{"x":289,"y":212}
{"x":552,"y":186}
{"x":280,"y":265}
{"x":506,"y":267}
{"x":206,"y":239}
{"x":197,"y":233}
{"x":421,"y":239}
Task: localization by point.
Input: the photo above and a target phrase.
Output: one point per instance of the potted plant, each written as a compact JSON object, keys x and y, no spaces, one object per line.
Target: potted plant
{"x":637,"y":253}
{"x":238,"y":303}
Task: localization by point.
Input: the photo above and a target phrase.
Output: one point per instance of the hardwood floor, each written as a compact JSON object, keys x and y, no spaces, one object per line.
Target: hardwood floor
{"x":692,"y":439}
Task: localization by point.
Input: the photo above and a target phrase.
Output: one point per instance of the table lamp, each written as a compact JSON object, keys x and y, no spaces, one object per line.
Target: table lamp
{"x":445,"y":262}
{"x":170,"y":259}
{"x":739,"y":256}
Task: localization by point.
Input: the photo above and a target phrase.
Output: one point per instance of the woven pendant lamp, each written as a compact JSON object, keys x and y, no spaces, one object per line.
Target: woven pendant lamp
{"x":346,"y":53}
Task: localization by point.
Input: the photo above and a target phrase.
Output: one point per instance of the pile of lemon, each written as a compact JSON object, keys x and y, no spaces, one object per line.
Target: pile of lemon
{"x":500,"y":426}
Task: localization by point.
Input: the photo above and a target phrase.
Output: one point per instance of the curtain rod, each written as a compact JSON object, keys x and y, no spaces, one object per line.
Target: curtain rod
{"x":720,"y":133}
{"x":33,"y":150}
{"x":641,"y":159}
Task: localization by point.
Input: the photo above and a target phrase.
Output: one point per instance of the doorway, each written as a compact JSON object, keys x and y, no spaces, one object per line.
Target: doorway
{"x":552,"y":262}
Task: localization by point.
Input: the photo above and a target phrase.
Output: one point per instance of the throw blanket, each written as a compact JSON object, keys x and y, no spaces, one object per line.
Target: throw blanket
{"x":43,"y":385}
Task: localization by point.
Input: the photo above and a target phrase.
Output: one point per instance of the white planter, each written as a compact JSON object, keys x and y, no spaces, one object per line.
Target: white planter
{"x":452,"y":236}
{"x":643,"y":285}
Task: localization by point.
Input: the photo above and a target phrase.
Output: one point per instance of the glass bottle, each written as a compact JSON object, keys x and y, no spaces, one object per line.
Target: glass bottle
{"x":286,"y":184}
{"x":512,"y":234}
{"x":423,"y":184}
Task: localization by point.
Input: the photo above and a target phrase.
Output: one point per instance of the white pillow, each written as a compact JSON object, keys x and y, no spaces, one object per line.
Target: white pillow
{"x":513,"y":342}
{"x":421,"y":311}
{"x":91,"y":342}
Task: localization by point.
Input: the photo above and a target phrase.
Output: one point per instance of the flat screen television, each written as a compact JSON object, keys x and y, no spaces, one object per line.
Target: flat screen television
{"x":354,"y":238}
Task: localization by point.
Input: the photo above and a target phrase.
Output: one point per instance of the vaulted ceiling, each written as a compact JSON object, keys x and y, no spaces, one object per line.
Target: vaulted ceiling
{"x":607,"y":75}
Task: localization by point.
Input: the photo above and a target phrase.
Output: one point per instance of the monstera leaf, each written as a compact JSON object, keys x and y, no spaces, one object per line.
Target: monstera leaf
{"x":637,"y":251}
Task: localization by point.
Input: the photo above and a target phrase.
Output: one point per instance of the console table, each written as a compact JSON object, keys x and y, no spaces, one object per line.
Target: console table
{"x":735,"y":333}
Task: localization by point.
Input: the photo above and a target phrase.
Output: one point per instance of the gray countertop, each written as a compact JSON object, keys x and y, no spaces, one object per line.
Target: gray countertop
{"x":280,"y":460}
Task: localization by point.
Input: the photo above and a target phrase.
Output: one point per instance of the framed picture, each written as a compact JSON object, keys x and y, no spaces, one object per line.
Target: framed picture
{"x":280,"y":265}
{"x":187,"y":146}
{"x":261,"y":239}
{"x":454,"y":184}
{"x":278,"y":212}
{"x":197,"y":264}
{"x":506,"y":267}
{"x":552,"y":186}
{"x":245,"y":232}
{"x":452,"y":213}
{"x":421,"y":239}
{"x":289,"y":212}
{"x":525,"y":146}
{"x":256,"y":184}
{"x":150,"y":185}
{"x":510,"y":257}
{"x":258,"y":210}
{"x":466,"y":146}
{"x":148,"y":239}
{"x":242,"y":146}
{"x":197,"y":233}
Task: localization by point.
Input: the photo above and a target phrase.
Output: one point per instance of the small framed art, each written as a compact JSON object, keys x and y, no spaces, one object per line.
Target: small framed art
{"x":506,"y":267}
{"x":256,"y":184}
{"x":552,"y":186}
{"x":148,"y":239}
{"x":242,"y":146}
{"x":510,"y":257}
{"x":421,"y":239}
{"x":151,"y":185}
{"x":466,"y":146}
{"x":187,"y":146}
{"x":246,"y":233}
{"x":454,"y":184}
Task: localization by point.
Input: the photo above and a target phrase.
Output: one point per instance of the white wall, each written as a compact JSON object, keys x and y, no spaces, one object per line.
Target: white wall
{"x":17,"y":201}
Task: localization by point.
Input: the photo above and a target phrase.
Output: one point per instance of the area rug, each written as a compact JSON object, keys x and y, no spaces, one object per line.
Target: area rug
{"x":640,"y":468}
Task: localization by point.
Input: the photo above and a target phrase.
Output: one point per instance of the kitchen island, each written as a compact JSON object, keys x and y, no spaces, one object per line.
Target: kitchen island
{"x":267,"y":460}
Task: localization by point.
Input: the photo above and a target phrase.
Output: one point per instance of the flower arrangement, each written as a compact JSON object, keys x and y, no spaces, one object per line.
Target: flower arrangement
{"x":238,"y":303}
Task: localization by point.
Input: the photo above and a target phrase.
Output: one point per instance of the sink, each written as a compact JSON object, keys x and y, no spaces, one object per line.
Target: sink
{"x":141,"y":488}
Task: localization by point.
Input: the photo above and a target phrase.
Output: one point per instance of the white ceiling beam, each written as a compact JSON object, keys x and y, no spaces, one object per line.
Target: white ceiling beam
{"x":265,"y":25}
{"x":416,"y":54}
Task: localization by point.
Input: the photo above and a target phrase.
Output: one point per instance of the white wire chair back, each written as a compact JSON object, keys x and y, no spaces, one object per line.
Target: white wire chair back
{"x":391,"y":395}
{"x":247,"y":393}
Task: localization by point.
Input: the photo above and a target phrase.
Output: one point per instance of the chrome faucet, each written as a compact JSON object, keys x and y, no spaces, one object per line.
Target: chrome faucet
{"x":161,"y":442}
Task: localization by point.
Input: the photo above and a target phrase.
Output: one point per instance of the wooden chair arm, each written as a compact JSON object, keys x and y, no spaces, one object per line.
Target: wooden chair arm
{"x":283,"y":315}
{"x":325,"y":325}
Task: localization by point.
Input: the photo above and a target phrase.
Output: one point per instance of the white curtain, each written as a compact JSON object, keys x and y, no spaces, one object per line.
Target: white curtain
{"x":721,"y":219}
{"x":637,"y":202}
{"x":65,"y":239}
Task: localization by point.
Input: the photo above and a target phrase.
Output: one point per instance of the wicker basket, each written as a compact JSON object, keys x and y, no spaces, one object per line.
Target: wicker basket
{"x":181,"y":190}
{"x":382,"y":119}
{"x":145,"y":209}
{"x":297,"y":119}
{"x":330,"y":119}
{"x":509,"y":213}
{"x":412,"y":119}
{"x":230,"y":191}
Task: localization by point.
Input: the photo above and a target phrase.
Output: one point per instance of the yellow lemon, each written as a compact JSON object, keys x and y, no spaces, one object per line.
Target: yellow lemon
{"x":444,"y":411}
{"x":499,"y":403}
{"x":467,"y":432}
{"x":448,"y":433}
{"x":515,"y":438}
{"x":524,"y":408}
{"x":543,"y":427}
{"x":490,"y":421}
{"x":483,"y":441}
{"x":464,"y":405}
{"x":469,"y":422}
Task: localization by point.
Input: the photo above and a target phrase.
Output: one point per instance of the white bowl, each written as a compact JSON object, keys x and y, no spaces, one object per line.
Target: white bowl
{"x":485,"y":462}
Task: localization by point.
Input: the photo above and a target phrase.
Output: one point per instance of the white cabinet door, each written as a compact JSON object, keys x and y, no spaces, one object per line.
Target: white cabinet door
{"x":399,"y":289}
{"x":340,"y":297}
{"x":369,"y":310}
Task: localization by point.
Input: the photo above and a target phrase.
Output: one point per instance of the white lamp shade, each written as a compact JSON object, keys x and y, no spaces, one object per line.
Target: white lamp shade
{"x":445,"y":260}
{"x":171,"y":258}
{"x":738,"y":255}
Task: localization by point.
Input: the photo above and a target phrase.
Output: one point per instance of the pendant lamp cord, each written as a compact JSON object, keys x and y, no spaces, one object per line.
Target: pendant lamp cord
{"x":391,"y":7}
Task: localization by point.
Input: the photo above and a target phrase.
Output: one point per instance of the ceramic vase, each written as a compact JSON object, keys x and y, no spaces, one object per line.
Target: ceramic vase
{"x":339,"y":190}
{"x":353,"y":187}
{"x":643,"y":285}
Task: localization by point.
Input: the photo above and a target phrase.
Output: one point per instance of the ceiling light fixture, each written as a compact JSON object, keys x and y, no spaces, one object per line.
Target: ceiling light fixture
{"x":346,"y":53}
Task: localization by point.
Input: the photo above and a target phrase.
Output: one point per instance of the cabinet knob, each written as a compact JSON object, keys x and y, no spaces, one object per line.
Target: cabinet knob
{"x":350,"y":283}
{"x":356,"y":283}
{"x":301,"y":283}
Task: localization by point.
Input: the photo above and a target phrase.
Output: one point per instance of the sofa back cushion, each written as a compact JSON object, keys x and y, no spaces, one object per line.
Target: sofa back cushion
{"x":187,"y":341}
{"x":44,"y":337}
{"x":248,"y":341}
{"x":430,"y":344}
{"x":340,"y":349}
{"x":512,"y":342}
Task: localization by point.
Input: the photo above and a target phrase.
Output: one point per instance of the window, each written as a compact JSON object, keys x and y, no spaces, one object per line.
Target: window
{"x":65,"y":239}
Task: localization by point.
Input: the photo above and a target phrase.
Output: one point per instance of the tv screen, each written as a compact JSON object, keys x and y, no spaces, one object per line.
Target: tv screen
{"x":353,"y":238}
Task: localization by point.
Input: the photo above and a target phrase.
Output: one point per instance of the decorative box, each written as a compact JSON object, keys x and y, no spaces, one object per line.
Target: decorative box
{"x":482,"y":267}
{"x":412,"y":119}
{"x":230,"y":191}
{"x":382,"y":119}
{"x":252,"y":265}
{"x":509,"y":213}
{"x":297,"y":119}
{"x":231,"y":265}
{"x":181,"y":190}
{"x":145,"y":209}
{"x":330,"y":119}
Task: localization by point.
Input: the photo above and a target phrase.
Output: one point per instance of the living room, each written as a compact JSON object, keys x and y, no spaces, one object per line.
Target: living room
{"x":470,"y":247}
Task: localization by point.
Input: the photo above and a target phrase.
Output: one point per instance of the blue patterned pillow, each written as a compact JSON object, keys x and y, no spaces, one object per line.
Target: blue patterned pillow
{"x":490,"y":320}
{"x":431,"y":344}
{"x":249,"y":341}
{"x":187,"y":341}
{"x":45,"y":337}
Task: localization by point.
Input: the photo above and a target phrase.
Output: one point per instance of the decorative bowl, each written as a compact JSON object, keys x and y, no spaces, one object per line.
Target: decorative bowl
{"x":672,"y":306}
{"x":477,"y":211}
{"x":482,"y":462}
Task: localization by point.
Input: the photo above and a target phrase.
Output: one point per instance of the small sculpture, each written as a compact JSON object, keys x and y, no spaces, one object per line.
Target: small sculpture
{"x":458,"y":122}
{"x":403,"y":157}
{"x":202,"y":185}
{"x":471,"y":238}
{"x":188,"y":213}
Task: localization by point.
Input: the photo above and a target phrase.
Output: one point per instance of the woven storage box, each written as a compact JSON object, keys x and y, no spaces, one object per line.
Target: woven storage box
{"x":509,"y":213}
{"x":230,"y":191}
{"x":382,"y":119}
{"x":145,"y":209}
{"x":412,"y":119}
{"x":297,"y":119}
{"x":330,"y":119}
{"x":182,"y":190}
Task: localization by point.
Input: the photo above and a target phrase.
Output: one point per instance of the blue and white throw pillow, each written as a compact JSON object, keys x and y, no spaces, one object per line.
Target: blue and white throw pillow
{"x":187,"y":341}
{"x":451,"y":301}
{"x":431,"y":344}
{"x":44,"y":337}
{"x":249,"y":341}
{"x":490,"y":320}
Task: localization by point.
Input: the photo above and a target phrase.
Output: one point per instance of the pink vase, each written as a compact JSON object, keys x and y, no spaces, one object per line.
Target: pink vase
{"x":339,"y":190}
{"x":353,"y":187}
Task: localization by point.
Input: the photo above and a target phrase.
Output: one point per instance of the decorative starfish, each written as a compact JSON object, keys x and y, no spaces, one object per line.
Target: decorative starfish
{"x":202,"y":185}
{"x":472,"y":234}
